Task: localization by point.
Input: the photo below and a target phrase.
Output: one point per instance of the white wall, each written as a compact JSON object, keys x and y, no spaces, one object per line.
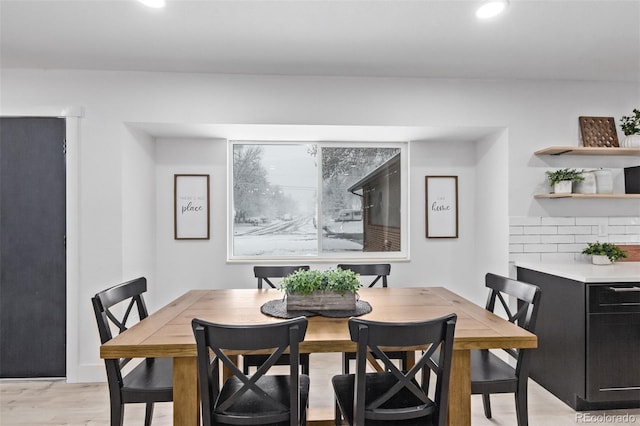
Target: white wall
{"x":115,"y":237}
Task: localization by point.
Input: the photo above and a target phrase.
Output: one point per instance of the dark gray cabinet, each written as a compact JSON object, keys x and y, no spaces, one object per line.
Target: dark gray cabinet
{"x":588,"y":341}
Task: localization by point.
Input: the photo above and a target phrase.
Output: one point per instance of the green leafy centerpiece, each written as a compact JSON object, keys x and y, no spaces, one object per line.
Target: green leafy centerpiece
{"x":334,"y":289}
{"x":604,"y":253}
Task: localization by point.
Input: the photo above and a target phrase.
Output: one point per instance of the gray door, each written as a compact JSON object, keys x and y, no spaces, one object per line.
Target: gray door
{"x":32,"y":248}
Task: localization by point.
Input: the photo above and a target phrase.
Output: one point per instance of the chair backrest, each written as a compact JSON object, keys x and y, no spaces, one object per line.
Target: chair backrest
{"x":128,"y":298}
{"x":219,"y":338}
{"x":524,"y":314}
{"x":438,"y":334}
{"x":380,"y":270}
{"x":264,"y":273}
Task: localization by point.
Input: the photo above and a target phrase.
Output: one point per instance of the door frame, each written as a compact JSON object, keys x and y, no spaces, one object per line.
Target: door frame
{"x":72,"y":116}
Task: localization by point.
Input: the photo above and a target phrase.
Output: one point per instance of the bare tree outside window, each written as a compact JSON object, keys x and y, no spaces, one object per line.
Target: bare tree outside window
{"x":314,"y":199}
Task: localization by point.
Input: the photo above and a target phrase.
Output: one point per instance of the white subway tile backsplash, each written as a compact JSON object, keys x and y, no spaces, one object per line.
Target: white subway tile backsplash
{"x":558,"y":239}
{"x":524,"y":257}
{"x":624,"y":221}
{"x":557,"y":257}
{"x":574,"y":230}
{"x":570,"y":248}
{"x":592,"y":221}
{"x":624,"y":239}
{"x":515,"y":230}
{"x":558,"y":221}
{"x":525,"y":239}
{"x":540,"y":230}
{"x":591,"y":239}
{"x":540,"y":248}
{"x":632,"y":229}
{"x":619,"y":229}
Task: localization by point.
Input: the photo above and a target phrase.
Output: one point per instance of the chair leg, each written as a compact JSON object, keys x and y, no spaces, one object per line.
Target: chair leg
{"x":338,"y":416}
{"x":117,"y":414}
{"x":304,"y":360}
{"x":148,"y":414}
{"x":521,"y":407}
{"x":345,"y":364}
{"x":486,"y":403}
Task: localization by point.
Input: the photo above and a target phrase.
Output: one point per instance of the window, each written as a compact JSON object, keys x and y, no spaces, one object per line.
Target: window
{"x":317,"y":200}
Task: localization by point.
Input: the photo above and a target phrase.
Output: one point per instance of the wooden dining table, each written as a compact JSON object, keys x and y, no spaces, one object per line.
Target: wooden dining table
{"x":168,"y":333}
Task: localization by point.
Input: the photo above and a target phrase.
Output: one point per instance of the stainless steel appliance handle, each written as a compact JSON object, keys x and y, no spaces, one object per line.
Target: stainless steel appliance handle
{"x":624,"y":289}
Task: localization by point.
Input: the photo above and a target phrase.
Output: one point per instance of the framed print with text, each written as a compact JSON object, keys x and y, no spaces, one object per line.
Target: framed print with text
{"x":191,"y":207}
{"x":441,"y":194}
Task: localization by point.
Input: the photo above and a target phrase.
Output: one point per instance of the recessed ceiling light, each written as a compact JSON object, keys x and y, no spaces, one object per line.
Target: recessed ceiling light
{"x":153,"y":3}
{"x":491,"y":8}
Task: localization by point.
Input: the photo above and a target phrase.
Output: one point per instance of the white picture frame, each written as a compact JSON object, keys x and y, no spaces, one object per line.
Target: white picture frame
{"x":191,"y":207}
{"x":441,"y":195}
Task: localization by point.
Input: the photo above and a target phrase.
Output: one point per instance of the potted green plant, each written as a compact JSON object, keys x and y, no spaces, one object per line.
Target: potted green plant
{"x":630,"y":125}
{"x":334,"y":289}
{"x":604,"y":253}
{"x":561,"y":180}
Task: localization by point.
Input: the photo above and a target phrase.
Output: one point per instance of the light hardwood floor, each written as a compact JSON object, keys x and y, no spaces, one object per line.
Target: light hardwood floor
{"x":54,"y":402}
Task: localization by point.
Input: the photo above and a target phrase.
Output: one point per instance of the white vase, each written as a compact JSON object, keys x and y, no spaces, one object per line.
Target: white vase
{"x":588,"y":185}
{"x":600,"y":259}
{"x":604,"y":181}
{"x":631,"y":141}
{"x":562,"y":187}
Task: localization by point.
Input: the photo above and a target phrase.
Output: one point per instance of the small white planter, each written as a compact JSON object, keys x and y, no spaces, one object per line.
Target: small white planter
{"x":600,"y":259}
{"x":562,"y":187}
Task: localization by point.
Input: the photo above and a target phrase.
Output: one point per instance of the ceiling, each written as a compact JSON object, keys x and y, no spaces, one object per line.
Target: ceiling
{"x":550,"y":40}
{"x":578,"y":40}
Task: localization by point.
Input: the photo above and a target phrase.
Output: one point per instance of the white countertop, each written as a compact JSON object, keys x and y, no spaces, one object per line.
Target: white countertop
{"x":588,"y":273}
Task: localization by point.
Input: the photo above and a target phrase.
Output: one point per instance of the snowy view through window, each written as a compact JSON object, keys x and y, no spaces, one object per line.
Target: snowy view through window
{"x":296,"y":199}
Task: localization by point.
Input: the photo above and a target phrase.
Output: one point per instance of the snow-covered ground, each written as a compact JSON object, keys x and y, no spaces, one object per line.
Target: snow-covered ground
{"x":286,"y":238}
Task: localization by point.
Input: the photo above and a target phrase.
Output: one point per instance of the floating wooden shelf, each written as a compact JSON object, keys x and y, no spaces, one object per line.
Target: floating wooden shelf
{"x":581,"y":150}
{"x":637,"y":196}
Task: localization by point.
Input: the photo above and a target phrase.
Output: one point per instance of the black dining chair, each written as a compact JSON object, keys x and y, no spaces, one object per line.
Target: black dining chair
{"x":490,"y":373}
{"x":258,"y":399}
{"x":380,"y":272}
{"x":265,"y":274}
{"x":149,"y":381}
{"x":392,"y":396}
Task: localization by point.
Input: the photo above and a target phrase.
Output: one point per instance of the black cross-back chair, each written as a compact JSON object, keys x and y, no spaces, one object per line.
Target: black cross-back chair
{"x":264,"y":274}
{"x":380,"y":271}
{"x":258,"y":399}
{"x":489,"y":373}
{"x":152,"y":379}
{"x":395,"y":397}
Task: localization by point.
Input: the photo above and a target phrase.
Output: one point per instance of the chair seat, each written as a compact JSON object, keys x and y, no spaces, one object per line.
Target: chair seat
{"x":249,"y":404}
{"x":150,"y":381}
{"x":377,"y":384}
{"x":490,"y":374}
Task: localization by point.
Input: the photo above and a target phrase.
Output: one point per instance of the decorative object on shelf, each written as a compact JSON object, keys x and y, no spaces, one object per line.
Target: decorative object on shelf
{"x":191,"y":207}
{"x":604,"y":253}
{"x":604,"y":181}
{"x":313,"y":290}
{"x":632,"y":180}
{"x":561,"y":180}
{"x":588,"y":185}
{"x":441,"y":195}
{"x":630,"y":125}
{"x":598,"y":131}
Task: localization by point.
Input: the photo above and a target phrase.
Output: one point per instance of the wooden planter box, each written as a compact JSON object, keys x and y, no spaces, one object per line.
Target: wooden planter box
{"x":322,"y":301}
